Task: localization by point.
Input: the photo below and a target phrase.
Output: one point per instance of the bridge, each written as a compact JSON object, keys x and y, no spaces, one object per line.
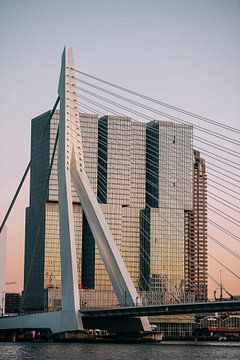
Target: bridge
{"x":164,"y":309}
{"x":71,"y":169}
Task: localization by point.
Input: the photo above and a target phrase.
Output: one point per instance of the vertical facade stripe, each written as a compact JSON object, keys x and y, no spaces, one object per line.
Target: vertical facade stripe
{"x":88,"y":255}
{"x":152,"y":165}
{"x":102,"y":160}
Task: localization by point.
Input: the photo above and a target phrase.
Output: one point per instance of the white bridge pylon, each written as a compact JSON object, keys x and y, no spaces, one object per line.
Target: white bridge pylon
{"x":71,"y":167}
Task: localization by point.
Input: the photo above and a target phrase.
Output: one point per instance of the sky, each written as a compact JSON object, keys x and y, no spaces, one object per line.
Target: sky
{"x":183,"y":52}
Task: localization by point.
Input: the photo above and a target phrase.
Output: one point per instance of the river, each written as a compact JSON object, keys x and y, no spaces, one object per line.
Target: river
{"x":73,"y":351}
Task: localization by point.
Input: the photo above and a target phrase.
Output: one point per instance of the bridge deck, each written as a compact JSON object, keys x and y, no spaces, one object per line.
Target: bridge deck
{"x":167,"y":309}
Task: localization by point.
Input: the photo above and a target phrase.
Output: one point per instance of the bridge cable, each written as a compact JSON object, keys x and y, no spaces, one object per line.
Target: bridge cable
{"x":225,"y":200}
{"x":227,"y":193}
{"x":41,"y":213}
{"x":199,"y":117}
{"x":150,"y":118}
{"x":96,"y":103}
{"x":189,"y":239}
{"x":209,"y":205}
{"x":27,"y":169}
{"x":96,"y":112}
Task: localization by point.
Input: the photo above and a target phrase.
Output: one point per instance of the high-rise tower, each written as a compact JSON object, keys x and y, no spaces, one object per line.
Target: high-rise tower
{"x":168,"y":194}
{"x":196,"y":276}
{"x":142,"y":175}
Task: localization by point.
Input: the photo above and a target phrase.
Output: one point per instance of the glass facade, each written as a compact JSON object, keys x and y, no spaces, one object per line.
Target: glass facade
{"x":142,"y":175}
{"x":121,"y":189}
{"x":42,"y":270}
{"x":175,"y":326}
{"x":169,"y":192}
{"x":176,"y":330}
{"x":33,"y":296}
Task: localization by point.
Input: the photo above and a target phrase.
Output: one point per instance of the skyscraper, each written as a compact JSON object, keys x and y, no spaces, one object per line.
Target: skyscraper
{"x":196,"y":234}
{"x":142,"y":175}
{"x":168,"y":195}
{"x":42,"y":270}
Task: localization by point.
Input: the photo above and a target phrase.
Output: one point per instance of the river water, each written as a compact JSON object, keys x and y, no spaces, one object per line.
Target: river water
{"x":63,"y":351}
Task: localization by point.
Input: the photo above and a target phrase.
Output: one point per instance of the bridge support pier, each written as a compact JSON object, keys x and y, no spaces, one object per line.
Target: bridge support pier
{"x":116,"y":325}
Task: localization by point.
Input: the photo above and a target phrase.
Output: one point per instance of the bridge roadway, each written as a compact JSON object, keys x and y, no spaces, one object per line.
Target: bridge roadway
{"x":118,"y":319}
{"x":166,"y":309}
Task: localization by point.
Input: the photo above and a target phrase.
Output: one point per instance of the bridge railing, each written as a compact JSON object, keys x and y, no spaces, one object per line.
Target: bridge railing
{"x":106,"y":298}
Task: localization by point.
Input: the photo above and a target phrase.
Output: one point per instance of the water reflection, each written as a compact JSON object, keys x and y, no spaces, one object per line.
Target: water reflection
{"x":63,"y":351}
